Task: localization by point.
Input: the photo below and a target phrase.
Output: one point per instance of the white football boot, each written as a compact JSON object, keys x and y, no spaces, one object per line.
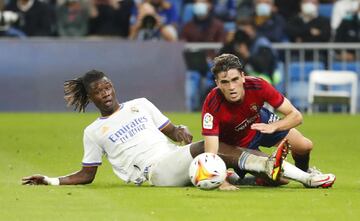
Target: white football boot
{"x":320,"y":180}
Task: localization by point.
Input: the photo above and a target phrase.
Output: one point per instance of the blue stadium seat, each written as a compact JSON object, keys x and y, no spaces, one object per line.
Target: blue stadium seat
{"x":187,"y":13}
{"x":299,"y":71}
{"x":325,"y":9}
{"x":350,"y":66}
{"x":298,"y":82}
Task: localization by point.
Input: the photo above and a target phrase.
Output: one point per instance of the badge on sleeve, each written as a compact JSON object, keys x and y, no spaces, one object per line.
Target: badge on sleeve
{"x":208,"y":121}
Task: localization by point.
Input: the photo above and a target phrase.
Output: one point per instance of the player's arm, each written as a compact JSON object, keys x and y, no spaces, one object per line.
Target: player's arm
{"x":177,"y":133}
{"x":211,"y":144}
{"x":84,"y":176}
{"x":292,"y":118}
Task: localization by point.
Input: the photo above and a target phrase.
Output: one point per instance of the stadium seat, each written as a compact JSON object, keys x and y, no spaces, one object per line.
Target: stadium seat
{"x":321,"y":88}
{"x":325,"y":9}
{"x":298,"y":76}
{"x":349,"y":66}
{"x":299,"y":71}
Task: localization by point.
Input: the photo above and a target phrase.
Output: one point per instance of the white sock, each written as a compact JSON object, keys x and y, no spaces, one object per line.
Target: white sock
{"x":294,"y":173}
{"x":251,"y":162}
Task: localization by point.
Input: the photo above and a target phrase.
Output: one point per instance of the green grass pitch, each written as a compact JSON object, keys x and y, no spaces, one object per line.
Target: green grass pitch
{"x":51,"y":144}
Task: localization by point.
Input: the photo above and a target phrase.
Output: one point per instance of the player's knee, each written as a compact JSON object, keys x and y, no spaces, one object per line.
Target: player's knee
{"x":303,"y":146}
{"x":307,"y":145}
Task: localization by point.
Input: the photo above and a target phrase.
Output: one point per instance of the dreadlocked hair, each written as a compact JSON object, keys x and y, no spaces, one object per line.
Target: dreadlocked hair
{"x":76,"y":90}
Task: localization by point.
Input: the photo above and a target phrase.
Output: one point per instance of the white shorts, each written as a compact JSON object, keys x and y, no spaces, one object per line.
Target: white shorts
{"x":172,"y":169}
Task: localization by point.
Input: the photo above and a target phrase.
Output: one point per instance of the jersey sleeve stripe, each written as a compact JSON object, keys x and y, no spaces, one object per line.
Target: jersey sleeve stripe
{"x":164,"y":125}
{"x":91,"y":164}
{"x":211,"y":101}
{"x":214,"y":105}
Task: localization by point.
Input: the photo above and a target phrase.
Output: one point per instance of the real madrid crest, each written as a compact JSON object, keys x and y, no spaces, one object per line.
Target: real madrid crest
{"x":134,"y":109}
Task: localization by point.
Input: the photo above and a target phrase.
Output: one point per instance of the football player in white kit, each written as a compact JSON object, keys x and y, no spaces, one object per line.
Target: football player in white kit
{"x":134,"y":138}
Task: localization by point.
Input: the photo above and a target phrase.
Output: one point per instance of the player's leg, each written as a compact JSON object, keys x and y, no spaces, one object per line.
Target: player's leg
{"x":242,"y":159}
{"x":253,"y":160}
{"x":300,"y":149}
{"x":300,"y":145}
{"x":172,"y":169}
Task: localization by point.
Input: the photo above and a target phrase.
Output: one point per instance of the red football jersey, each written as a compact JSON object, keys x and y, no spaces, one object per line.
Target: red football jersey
{"x":231,"y":121}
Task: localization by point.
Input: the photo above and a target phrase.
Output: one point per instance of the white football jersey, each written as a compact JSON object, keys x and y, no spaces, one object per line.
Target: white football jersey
{"x":130,"y":139}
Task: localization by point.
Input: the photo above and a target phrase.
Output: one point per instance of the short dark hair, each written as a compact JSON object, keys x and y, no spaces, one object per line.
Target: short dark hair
{"x":76,"y":90}
{"x":225,"y":62}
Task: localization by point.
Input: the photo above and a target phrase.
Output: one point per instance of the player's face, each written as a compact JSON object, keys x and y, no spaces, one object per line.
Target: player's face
{"x":231,"y":84}
{"x":102,"y":93}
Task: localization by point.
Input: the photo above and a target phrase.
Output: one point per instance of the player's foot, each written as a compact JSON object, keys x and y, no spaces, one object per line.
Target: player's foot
{"x":274,"y":163}
{"x":320,"y":180}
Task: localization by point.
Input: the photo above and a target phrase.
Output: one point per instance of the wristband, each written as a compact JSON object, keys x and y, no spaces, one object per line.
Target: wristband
{"x":53,"y":181}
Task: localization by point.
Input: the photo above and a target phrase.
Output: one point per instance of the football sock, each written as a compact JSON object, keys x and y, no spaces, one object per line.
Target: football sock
{"x":250,"y":162}
{"x":294,"y":173}
{"x":302,"y":161}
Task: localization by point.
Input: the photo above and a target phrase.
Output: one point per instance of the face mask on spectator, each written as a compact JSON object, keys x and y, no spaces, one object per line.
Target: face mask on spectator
{"x":309,"y":9}
{"x":263,"y":9}
{"x":200,"y":9}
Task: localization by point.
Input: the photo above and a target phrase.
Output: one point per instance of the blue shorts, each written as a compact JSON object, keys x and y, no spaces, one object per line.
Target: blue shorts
{"x":267,"y":140}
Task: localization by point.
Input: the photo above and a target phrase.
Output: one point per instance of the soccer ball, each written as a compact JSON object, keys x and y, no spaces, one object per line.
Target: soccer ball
{"x":207,"y":171}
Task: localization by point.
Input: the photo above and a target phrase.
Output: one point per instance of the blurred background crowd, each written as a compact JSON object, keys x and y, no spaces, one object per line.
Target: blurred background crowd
{"x":188,"y":20}
{"x":246,"y":28}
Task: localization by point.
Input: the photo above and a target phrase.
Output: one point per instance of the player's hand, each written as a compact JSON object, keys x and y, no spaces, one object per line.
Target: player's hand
{"x":227,"y":186}
{"x":264,"y":128}
{"x":183,"y":135}
{"x":34,"y":180}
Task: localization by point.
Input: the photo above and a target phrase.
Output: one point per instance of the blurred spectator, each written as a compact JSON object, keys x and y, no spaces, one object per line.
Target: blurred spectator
{"x":288,"y":8}
{"x":154,"y":20}
{"x":225,"y":10}
{"x":268,"y":22}
{"x":72,"y":18}
{"x":7,"y":19}
{"x":204,"y":27}
{"x":349,"y":31}
{"x":35,"y":18}
{"x":254,"y":51}
{"x":110,"y":17}
{"x":308,"y":26}
{"x":342,"y":9}
{"x":245,"y":9}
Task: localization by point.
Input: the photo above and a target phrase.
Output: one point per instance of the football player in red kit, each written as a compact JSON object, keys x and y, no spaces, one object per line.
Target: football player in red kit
{"x":233,"y":113}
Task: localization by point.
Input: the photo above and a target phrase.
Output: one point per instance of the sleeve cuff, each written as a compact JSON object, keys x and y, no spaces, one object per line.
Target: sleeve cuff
{"x":91,"y":164}
{"x":164,"y":125}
